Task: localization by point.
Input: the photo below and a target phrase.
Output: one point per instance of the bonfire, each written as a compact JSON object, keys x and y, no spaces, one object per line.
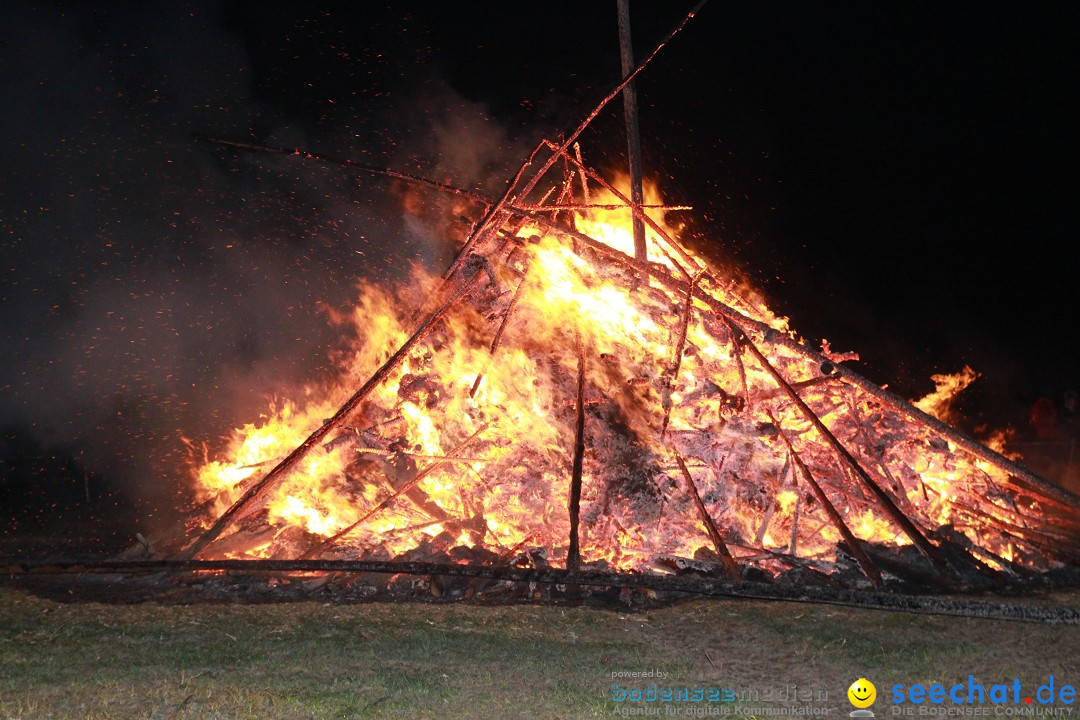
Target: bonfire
{"x":565,"y":395}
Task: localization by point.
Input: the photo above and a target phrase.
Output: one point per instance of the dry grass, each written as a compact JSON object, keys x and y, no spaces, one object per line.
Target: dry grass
{"x":309,"y":660}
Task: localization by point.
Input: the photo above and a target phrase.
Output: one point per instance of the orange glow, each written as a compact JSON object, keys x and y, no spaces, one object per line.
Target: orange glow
{"x":507,"y":490}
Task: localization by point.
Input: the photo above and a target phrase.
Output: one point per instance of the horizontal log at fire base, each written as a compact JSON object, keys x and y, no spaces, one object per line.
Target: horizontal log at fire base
{"x":690,"y":585}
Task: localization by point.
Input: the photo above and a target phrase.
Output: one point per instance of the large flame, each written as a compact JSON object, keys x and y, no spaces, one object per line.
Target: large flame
{"x":506,"y":491}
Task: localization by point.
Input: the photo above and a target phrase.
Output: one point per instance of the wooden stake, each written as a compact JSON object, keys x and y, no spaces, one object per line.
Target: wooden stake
{"x":633,"y":130}
{"x":573,"y":554}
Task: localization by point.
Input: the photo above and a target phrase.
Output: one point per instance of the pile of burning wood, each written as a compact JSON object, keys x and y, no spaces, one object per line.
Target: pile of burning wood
{"x":556,"y":400}
{"x":563,"y":396}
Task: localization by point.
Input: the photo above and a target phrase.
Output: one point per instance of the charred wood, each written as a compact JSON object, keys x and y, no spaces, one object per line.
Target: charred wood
{"x":710,"y":587}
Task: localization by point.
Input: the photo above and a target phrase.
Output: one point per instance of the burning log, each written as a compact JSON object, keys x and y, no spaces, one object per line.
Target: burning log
{"x":573,"y":556}
{"x":705,"y":586}
{"x":564,"y":206}
{"x":710,"y":526}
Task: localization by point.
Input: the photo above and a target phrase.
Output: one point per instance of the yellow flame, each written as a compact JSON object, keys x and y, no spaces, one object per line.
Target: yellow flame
{"x":508,"y":489}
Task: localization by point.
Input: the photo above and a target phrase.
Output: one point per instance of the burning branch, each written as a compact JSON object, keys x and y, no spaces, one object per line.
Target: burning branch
{"x":259,"y":490}
{"x":325,"y":545}
{"x":730,"y":567}
{"x":502,"y":328}
{"x":680,"y":346}
{"x":865,"y":563}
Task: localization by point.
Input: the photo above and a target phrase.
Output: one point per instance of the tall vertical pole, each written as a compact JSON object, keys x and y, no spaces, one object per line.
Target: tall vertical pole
{"x":573,"y":554}
{"x":633,"y":132}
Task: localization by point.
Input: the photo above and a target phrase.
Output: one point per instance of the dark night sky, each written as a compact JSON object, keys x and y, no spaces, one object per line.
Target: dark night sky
{"x":899,"y":178}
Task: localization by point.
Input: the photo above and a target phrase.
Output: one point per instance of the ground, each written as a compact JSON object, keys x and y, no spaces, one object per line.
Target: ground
{"x":421,"y":660}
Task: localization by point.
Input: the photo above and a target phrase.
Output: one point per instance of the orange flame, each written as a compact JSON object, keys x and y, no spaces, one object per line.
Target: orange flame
{"x":507,"y":490}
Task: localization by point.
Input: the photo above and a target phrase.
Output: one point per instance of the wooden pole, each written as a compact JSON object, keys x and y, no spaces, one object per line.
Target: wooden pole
{"x":573,"y":555}
{"x":633,"y":129}
{"x":714,"y":587}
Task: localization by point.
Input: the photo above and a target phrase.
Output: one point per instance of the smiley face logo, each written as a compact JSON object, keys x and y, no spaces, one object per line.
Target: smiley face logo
{"x":862,"y":693}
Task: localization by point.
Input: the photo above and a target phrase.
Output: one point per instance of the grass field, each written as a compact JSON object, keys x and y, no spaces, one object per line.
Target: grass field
{"x":310,"y":660}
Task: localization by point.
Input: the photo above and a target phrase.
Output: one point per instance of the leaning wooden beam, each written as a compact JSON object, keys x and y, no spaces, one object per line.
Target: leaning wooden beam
{"x":1063,"y":544}
{"x":928,"y":549}
{"x":581,"y":172}
{"x":354,"y":165}
{"x":680,"y":346}
{"x":491,"y":221}
{"x":343,"y":162}
{"x":573,"y":554}
{"x":710,"y":587}
{"x":566,"y":195}
{"x":726,"y":559}
{"x":736,"y":352}
{"x":868,"y":567}
{"x":260,"y":489}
